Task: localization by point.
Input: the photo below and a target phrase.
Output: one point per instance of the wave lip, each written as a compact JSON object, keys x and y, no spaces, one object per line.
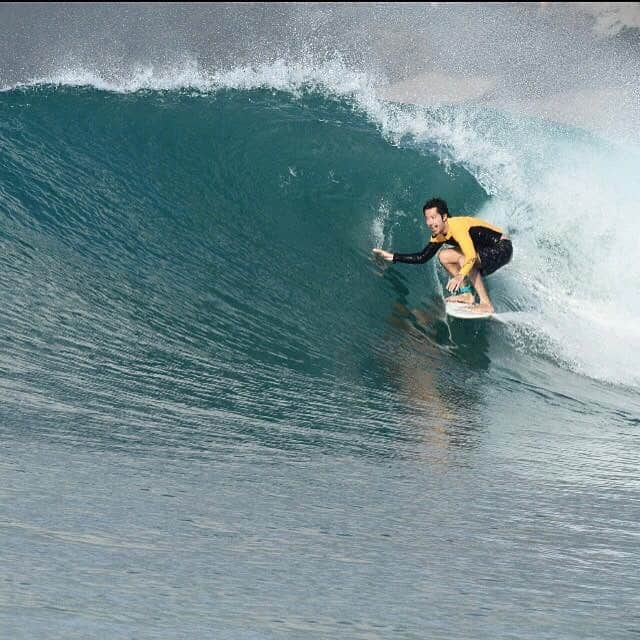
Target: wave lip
{"x":147,"y":77}
{"x":279,"y":75}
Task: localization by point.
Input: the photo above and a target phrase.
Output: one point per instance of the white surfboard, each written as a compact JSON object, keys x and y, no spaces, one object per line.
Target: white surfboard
{"x":464,"y":311}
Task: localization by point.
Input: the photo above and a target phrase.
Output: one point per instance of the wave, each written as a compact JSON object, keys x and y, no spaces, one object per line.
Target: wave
{"x":566,"y":196}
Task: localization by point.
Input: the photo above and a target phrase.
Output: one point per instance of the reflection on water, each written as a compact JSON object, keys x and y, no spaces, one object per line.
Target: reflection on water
{"x":430,"y":363}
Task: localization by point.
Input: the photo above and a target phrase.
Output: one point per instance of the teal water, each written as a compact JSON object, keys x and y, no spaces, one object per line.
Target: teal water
{"x":221,"y":417}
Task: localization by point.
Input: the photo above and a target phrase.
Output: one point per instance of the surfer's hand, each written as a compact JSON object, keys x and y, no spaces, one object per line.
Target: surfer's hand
{"x":454,"y":284}
{"x":386,"y":255}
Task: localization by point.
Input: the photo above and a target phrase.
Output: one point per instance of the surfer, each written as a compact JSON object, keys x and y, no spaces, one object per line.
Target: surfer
{"x":477,"y":249}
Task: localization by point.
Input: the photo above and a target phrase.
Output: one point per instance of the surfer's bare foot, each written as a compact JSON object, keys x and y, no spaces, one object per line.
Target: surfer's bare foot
{"x":483,"y":307}
{"x":467,"y":298}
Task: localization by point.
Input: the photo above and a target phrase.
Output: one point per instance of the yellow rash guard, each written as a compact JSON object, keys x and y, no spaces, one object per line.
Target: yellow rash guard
{"x":466,"y":233}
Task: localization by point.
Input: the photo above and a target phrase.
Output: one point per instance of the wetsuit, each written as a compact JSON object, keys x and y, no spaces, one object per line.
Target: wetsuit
{"x":482,"y":244}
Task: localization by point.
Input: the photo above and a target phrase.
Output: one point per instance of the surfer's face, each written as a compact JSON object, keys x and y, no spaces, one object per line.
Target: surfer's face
{"x":434,"y":221}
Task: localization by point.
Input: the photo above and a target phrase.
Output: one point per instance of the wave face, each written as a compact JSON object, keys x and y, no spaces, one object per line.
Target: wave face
{"x":195,"y":250}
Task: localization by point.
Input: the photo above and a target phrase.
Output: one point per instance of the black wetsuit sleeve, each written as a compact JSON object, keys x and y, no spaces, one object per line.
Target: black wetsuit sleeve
{"x":418,"y":258}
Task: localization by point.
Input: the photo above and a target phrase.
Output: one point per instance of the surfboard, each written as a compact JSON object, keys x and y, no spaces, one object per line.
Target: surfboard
{"x":464,"y":311}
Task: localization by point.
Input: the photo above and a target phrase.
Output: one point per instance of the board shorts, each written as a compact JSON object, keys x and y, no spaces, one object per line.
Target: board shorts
{"x":494,"y":257}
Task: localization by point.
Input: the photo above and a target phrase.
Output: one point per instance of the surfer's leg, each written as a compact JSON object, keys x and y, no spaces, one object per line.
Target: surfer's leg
{"x":485,"y":304}
{"x":491,"y":259}
{"x":452,"y":260}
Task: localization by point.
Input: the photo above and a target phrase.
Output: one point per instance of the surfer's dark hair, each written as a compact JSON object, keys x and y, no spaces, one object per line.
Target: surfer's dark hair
{"x":437,"y":203}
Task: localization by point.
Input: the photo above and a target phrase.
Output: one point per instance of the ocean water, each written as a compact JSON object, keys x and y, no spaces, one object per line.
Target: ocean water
{"x":222,"y":418}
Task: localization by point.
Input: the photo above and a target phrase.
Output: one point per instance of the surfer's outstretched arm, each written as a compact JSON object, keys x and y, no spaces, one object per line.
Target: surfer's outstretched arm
{"x":412,"y":258}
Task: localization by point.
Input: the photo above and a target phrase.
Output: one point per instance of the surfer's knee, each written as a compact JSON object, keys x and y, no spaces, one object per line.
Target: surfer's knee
{"x":448,"y":256}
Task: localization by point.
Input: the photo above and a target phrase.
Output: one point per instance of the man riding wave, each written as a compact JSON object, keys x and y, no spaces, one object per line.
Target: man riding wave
{"x":477,"y":248}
